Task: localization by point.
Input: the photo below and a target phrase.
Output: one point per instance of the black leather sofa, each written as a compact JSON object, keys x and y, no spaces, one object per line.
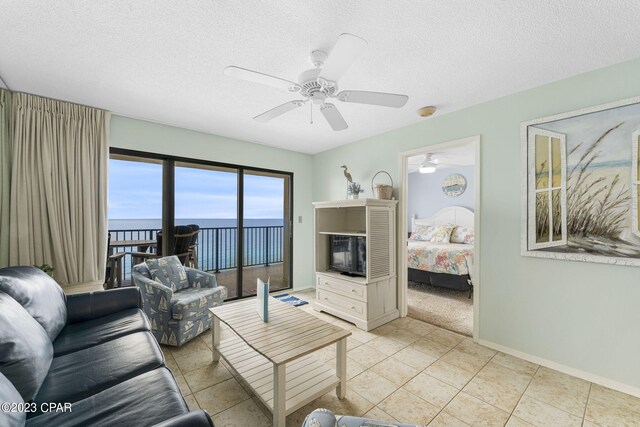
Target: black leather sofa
{"x":83,"y":360}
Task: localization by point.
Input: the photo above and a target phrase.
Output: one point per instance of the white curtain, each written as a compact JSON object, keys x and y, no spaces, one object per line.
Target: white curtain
{"x":5,"y":174}
{"x":59,"y":187}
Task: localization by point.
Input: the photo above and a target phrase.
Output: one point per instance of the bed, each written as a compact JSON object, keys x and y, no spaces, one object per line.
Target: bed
{"x":446,"y":264}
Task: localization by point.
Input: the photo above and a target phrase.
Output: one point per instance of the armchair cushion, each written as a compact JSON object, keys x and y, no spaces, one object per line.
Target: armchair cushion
{"x":169,"y":271}
{"x":25,"y":349}
{"x":194,"y":302}
{"x":39,"y":294}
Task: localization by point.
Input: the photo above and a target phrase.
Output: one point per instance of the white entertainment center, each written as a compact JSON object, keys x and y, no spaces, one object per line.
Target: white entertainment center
{"x":368,"y":300}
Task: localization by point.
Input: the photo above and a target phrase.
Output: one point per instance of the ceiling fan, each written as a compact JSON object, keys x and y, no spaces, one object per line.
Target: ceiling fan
{"x":428,"y":163}
{"x":319,"y":84}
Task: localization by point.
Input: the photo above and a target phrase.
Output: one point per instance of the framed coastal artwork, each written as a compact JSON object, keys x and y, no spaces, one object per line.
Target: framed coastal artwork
{"x":581,"y":185}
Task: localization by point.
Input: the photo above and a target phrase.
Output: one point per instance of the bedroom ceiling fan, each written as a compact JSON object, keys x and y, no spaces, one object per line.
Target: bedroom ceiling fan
{"x":319,"y":84}
{"x":429,"y":163}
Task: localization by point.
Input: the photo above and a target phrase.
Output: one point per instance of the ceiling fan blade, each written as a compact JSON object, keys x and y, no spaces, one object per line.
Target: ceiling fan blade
{"x":333,"y":116}
{"x":374,"y":98}
{"x":265,"y":79}
{"x":278,"y":111}
{"x":346,"y":50}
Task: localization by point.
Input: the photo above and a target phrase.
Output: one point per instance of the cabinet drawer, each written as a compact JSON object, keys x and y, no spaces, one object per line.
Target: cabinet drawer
{"x":344,"y":304}
{"x":342,"y":287}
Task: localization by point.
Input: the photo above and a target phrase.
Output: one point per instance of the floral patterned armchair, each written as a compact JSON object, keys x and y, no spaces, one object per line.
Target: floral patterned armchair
{"x":177,"y":299}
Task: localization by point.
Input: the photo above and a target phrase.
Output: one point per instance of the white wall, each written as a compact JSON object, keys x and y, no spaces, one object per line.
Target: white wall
{"x":425,"y":195}
{"x":581,"y":315}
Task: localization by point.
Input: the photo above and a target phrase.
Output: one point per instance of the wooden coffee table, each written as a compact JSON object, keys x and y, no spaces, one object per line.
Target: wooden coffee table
{"x":276,"y":359}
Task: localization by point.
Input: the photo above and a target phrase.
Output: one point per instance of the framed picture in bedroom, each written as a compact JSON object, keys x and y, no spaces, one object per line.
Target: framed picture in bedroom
{"x":581,"y":185}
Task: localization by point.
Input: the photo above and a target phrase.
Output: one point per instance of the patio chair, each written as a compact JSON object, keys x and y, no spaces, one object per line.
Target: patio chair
{"x":113,"y":272}
{"x":193,"y":247}
{"x":183,"y":235}
{"x":177,"y":299}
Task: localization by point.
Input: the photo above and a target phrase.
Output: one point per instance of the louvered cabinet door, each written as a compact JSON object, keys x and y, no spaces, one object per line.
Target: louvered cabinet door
{"x":380,"y":242}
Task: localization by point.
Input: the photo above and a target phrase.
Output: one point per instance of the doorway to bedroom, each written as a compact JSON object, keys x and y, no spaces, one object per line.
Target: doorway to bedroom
{"x":439,"y":251}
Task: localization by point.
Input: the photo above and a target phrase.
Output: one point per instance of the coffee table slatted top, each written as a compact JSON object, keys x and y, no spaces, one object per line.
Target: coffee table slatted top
{"x":289,"y":334}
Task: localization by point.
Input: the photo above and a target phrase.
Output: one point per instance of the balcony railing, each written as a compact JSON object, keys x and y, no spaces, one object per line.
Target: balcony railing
{"x":217,"y":246}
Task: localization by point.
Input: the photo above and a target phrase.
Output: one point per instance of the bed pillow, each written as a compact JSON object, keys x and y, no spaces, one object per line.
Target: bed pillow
{"x":422,"y":232}
{"x":462,"y":235}
{"x":442,"y":233}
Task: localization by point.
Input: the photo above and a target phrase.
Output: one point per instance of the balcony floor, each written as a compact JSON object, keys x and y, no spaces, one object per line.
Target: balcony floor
{"x":227,"y":278}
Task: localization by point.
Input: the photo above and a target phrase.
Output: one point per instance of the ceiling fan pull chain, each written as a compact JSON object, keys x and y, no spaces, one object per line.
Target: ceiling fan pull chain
{"x":311,"y":108}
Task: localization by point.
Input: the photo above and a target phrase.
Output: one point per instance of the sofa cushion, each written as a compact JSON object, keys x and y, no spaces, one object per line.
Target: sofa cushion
{"x":78,"y":336}
{"x":194,"y":302}
{"x":169,"y":271}
{"x":39,"y":294}
{"x":9,"y":394}
{"x":80,"y":374}
{"x":25,"y":349}
{"x":146,"y":399}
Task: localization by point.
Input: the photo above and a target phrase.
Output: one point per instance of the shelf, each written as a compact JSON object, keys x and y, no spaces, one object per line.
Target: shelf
{"x":338,"y":275}
{"x":345,"y":233}
{"x":307,"y":378}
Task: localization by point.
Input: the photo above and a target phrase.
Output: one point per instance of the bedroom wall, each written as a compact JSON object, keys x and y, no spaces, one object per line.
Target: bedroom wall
{"x":582,"y":316}
{"x":152,"y":137}
{"x":426,"y":196}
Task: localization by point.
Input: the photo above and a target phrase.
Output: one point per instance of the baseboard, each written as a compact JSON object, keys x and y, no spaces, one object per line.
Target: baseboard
{"x":588,"y":376}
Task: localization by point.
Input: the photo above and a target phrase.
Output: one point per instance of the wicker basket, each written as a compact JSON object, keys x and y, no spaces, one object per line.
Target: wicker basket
{"x":382,"y":191}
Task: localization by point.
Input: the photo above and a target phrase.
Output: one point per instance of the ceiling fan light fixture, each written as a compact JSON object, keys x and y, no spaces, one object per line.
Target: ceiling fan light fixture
{"x":427,"y":169}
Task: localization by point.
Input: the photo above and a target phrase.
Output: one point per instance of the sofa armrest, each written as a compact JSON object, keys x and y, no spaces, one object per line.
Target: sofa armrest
{"x":200,"y":279}
{"x":199,"y":418}
{"x":90,"y":305}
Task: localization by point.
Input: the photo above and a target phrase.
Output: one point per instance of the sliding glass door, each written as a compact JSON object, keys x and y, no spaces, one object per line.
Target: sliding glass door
{"x":207,"y":196}
{"x":243,"y":216}
{"x":266,"y":233}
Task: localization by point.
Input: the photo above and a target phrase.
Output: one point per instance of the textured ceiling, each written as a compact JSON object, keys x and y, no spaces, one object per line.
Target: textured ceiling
{"x":163,"y":60}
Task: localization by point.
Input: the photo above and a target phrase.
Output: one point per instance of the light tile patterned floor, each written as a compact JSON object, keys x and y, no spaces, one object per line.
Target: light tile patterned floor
{"x":414,"y":372}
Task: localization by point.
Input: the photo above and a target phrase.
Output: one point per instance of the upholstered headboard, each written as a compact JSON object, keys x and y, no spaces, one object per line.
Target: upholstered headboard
{"x":452,"y":215}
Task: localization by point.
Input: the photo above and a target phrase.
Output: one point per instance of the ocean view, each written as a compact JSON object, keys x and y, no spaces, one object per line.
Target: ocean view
{"x":156,"y":223}
{"x":217,"y":250}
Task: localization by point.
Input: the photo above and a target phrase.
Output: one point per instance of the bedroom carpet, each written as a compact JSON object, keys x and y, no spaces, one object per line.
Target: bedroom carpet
{"x":452,"y":310}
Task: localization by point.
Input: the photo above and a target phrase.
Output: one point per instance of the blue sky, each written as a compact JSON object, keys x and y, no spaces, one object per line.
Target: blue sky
{"x":135,"y":191}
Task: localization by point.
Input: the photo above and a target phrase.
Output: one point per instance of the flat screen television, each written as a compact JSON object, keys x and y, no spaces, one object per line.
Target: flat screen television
{"x":348,"y":254}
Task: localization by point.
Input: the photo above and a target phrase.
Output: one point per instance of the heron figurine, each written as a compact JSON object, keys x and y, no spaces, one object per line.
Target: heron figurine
{"x":348,"y":176}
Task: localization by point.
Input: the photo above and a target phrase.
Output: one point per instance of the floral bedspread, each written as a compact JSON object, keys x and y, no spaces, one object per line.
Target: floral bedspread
{"x":450,"y":258}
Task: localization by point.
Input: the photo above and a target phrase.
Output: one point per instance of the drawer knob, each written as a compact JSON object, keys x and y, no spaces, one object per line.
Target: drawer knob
{"x":353,"y":307}
{"x":326,"y":299}
{"x":353,"y":290}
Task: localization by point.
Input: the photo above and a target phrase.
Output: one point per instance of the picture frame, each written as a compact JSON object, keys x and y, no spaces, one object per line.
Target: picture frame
{"x":580,"y":185}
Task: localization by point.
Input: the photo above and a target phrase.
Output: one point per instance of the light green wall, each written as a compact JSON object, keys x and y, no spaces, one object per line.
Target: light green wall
{"x":156,"y":138}
{"x":581,"y":315}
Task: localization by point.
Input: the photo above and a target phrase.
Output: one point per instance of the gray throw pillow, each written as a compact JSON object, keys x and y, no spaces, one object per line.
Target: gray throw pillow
{"x":9,"y":394}
{"x":39,"y":294}
{"x":25,"y":348}
{"x":169,"y":271}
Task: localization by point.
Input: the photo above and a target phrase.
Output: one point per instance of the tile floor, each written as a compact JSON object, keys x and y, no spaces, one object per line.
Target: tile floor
{"x":414,"y":372}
